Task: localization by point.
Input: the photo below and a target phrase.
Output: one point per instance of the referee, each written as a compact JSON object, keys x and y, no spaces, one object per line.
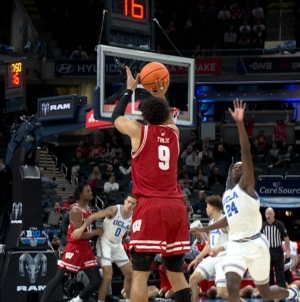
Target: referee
{"x":275,"y":232}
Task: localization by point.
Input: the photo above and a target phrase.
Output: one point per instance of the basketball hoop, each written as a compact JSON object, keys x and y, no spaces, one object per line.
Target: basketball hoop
{"x":174,"y":112}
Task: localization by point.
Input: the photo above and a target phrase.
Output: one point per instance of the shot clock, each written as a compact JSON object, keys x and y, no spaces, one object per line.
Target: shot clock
{"x":129,"y":23}
{"x":15,"y":86}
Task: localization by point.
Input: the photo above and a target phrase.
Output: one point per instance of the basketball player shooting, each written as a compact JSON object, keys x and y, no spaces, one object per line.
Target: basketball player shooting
{"x":247,"y":247}
{"x":160,"y":223}
{"x":109,"y":246}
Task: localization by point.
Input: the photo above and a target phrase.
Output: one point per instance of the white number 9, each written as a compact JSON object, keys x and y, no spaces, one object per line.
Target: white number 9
{"x":164,"y":157}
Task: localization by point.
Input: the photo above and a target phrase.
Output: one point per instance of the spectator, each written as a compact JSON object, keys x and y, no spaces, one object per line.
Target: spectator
{"x":194,"y":142}
{"x":224,"y":14}
{"x":286,"y":157}
{"x":273,"y":154}
{"x":57,"y":207}
{"x":200,"y":184}
{"x":280,"y":131}
{"x":257,"y":151}
{"x":55,"y":245}
{"x":115,"y":143}
{"x":111,"y":185}
{"x":208,"y":143}
{"x":193,"y":160}
{"x":200,"y":172}
{"x":258,"y":12}
{"x":184,"y":172}
{"x":244,"y":39}
{"x":208,"y":159}
{"x":211,"y":11}
{"x":111,"y":152}
{"x":109,"y":172}
{"x":245,"y":28}
{"x":259,"y":38}
{"x":46,"y":180}
{"x":221,"y":154}
{"x":199,"y":52}
{"x":78,"y":54}
{"x":95,"y":175}
{"x":260,"y":25}
{"x":67,"y":205}
{"x":230,"y":38}
{"x":187,"y":152}
{"x":262,"y":140}
{"x":82,"y":148}
{"x":247,"y":13}
{"x":183,"y":187}
{"x":236,"y":12}
{"x":95,"y":150}
{"x":215,"y":178}
{"x":188,"y":205}
{"x":77,"y":161}
{"x":87,"y":142}
{"x":200,"y":206}
{"x":126,"y":169}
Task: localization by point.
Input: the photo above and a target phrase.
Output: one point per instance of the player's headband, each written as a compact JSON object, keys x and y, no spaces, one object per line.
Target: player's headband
{"x":238,"y":163}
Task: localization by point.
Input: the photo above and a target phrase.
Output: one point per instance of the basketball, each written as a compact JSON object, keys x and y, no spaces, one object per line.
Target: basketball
{"x":153,"y":72}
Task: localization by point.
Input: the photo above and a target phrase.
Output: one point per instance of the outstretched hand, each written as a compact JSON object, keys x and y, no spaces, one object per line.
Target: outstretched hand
{"x":161,"y":89}
{"x":239,"y":110}
{"x":131,"y":81}
{"x":196,"y":230}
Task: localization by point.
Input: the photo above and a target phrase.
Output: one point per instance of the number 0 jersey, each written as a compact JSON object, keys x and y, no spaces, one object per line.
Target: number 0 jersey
{"x":154,"y":164}
{"x":242,"y":212}
{"x":117,"y":226}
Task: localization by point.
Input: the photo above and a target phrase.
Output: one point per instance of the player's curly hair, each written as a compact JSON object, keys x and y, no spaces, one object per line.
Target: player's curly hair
{"x":155,"y":111}
{"x":215,"y":201}
{"x":79,"y":189}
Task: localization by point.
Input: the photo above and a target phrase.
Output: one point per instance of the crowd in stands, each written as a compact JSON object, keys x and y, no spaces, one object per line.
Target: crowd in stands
{"x":196,"y":27}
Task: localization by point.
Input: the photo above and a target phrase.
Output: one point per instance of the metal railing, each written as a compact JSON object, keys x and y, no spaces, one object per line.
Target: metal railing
{"x":261,"y":177}
{"x":45,"y":157}
{"x":97,"y":201}
{"x":64,"y":172}
{"x":54,"y":165}
{"x":74,"y":180}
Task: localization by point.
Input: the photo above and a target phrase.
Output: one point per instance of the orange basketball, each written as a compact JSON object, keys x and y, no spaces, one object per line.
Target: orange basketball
{"x":153,"y":72}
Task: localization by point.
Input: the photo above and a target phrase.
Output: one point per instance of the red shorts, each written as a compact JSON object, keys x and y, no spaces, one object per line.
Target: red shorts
{"x":77,"y":257}
{"x":160,"y":226}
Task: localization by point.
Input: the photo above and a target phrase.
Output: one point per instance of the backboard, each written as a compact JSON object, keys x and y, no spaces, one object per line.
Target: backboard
{"x":111,"y":82}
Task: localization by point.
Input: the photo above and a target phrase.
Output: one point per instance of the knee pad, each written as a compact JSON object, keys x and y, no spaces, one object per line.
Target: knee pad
{"x":173,"y":263}
{"x":184,"y":295}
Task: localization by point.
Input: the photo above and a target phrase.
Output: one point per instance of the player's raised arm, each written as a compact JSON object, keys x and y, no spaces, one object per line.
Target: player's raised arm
{"x":247,"y":181}
{"x":108,"y":212}
{"x":123,"y":124}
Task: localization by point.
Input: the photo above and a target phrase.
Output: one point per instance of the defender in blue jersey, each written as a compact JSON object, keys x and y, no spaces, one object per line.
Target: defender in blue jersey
{"x":117,"y":222}
{"x":247,"y":247}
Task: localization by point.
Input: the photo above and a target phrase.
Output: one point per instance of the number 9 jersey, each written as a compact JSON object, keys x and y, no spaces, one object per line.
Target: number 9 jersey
{"x":154,"y":164}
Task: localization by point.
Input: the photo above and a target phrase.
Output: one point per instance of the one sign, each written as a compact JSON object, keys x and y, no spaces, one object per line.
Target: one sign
{"x":55,"y":108}
{"x":92,"y":123}
{"x":207,"y":66}
{"x":267,"y":65}
{"x":279,"y":193}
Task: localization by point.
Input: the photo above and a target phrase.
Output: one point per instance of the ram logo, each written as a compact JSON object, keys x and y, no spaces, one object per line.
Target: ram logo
{"x":32,"y":266}
{"x":45,"y":108}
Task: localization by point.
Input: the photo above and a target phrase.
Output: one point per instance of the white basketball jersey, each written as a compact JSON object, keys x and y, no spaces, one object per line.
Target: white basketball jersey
{"x":242,"y":212}
{"x":115,"y":227}
{"x":218,"y":237}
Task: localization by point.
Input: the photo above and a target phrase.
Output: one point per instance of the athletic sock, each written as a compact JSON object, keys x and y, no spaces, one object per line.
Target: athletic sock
{"x":127,"y":300}
{"x":293,"y":292}
{"x":77,"y":299}
{"x":100,"y":301}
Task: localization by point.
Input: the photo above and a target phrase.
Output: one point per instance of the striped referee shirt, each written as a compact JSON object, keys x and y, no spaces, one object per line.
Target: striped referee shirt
{"x":274,"y":232}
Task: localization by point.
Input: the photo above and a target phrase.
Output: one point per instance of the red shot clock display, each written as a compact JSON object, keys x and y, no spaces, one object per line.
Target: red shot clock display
{"x":15,"y":85}
{"x":129,"y":23}
{"x":14,"y":78}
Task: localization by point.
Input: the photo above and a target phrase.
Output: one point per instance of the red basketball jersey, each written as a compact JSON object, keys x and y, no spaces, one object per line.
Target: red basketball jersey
{"x":154,"y":164}
{"x":85,"y":215}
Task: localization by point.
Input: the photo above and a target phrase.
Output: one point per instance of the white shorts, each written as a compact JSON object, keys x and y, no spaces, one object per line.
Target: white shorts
{"x":109,"y":253}
{"x":253,"y":255}
{"x":213,"y":266}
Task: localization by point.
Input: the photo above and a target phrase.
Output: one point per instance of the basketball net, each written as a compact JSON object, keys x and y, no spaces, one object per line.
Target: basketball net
{"x":174,"y":112}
